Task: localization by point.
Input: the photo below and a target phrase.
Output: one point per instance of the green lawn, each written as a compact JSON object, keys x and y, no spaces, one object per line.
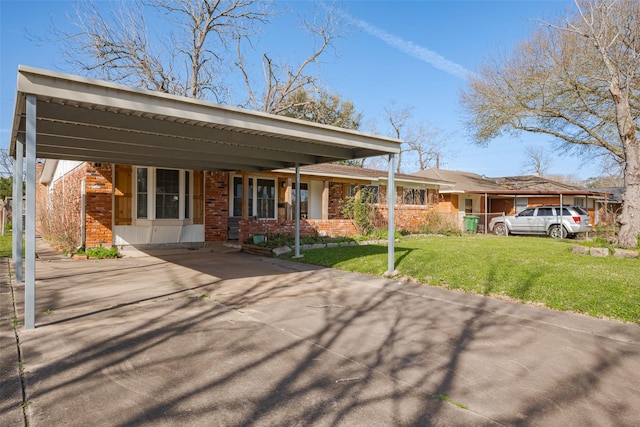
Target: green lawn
{"x":530,"y":269}
{"x":5,"y":246}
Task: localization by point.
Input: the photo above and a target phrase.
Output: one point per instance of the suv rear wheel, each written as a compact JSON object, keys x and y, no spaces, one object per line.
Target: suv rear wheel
{"x":557,"y":232}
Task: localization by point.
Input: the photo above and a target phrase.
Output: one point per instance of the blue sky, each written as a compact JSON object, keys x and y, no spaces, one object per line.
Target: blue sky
{"x":413,"y":53}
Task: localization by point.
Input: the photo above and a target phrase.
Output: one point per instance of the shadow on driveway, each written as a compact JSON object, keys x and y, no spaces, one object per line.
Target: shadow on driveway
{"x":207,"y":338}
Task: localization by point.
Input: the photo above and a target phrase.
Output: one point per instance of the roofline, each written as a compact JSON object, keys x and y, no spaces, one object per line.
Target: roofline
{"x":382,"y":178}
{"x":532,"y":193}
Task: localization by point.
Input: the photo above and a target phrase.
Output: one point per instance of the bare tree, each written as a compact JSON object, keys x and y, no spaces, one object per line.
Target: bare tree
{"x":537,"y":160}
{"x":424,"y":140}
{"x":119,"y":45}
{"x":282,"y":83}
{"x":579,"y":81}
{"x":428,"y":142}
{"x":398,"y":119}
{"x":194,"y":56}
{"x":6,"y":163}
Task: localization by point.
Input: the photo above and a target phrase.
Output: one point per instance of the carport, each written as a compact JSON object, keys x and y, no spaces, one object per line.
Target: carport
{"x":62,"y":116}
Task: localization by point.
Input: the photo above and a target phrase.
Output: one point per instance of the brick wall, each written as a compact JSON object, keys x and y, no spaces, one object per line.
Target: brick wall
{"x":98,"y":202}
{"x":337,"y":193}
{"x":406,"y":217}
{"x":308,"y":227}
{"x":59,"y":207}
{"x":216,"y":206}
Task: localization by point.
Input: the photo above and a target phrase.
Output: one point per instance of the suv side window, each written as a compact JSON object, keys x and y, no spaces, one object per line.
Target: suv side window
{"x":545,"y":211}
{"x":527,"y":212}
{"x":565,"y":212}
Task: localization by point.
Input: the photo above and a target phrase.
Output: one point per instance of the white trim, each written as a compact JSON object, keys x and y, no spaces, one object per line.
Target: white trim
{"x":254,"y":194}
{"x":151,"y":197}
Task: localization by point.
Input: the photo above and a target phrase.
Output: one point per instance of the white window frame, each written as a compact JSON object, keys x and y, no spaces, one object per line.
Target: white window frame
{"x":253,"y":182}
{"x":151,"y":196}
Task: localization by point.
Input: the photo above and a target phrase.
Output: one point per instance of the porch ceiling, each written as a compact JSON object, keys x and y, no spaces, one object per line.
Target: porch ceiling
{"x":97,"y":121}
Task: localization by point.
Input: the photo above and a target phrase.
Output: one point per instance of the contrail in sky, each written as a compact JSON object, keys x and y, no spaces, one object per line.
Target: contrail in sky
{"x":410,"y":48}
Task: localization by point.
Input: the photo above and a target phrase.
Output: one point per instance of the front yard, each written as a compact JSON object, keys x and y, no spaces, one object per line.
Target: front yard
{"x":539,"y":271}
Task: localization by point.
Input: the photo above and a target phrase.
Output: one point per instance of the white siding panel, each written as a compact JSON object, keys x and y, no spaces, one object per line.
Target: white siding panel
{"x":192,"y":233}
{"x":132,"y":235}
{"x":157,"y":234}
{"x":63,"y":167}
{"x":165,"y":234}
{"x":315,"y":199}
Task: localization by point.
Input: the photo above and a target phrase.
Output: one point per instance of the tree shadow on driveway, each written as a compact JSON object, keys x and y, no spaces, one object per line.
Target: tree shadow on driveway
{"x":234,"y":339}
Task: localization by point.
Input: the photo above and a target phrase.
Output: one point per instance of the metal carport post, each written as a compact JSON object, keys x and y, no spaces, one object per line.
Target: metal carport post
{"x":391,"y":201}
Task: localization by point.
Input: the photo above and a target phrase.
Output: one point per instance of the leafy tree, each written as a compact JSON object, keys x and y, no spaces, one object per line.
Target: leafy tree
{"x":577,"y":80}
{"x":323,"y":108}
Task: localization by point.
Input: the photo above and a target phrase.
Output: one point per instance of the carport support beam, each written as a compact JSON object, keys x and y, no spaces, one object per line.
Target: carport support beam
{"x":30,"y":238}
{"x":16,"y":219}
{"x":297,"y":212}
{"x":391,"y":199}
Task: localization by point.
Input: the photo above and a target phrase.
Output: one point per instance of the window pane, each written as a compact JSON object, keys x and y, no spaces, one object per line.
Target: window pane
{"x":186,"y":194}
{"x":142,"y":193}
{"x":304,"y":199}
{"x":237,"y":196}
{"x":266,"y":198}
{"x":167,"y":193}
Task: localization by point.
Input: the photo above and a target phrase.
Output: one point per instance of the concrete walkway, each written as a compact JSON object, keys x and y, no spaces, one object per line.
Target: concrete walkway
{"x":206,"y":338}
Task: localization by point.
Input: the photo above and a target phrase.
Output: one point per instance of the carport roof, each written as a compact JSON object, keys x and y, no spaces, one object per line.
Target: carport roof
{"x":92,"y":120}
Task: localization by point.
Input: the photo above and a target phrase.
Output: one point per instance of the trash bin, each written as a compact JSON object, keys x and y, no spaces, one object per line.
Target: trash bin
{"x":471,"y":224}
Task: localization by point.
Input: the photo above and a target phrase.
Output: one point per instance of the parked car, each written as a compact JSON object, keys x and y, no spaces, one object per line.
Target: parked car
{"x":544,"y":220}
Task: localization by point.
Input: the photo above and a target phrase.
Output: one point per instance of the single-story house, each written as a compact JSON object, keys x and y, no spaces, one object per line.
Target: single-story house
{"x":115,"y":204}
{"x":473,"y":194}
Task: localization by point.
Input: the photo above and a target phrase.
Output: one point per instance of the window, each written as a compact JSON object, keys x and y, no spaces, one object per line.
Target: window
{"x":187,"y":185}
{"x":304,"y":199}
{"x":521,"y":203}
{"x":368,"y":192}
{"x":527,"y":212}
{"x":413,"y":196}
{"x":167,"y":193}
{"x":266,"y":198}
{"x":237,"y":196}
{"x":545,"y":211}
{"x":261,"y":196}
{"x":163,"y":193}
{"x":142,"y":178}
{"x":468,"y":206}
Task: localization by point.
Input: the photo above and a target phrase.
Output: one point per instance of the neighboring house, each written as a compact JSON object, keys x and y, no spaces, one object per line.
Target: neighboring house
{"x":112,"y":204}
{"x":609,"y":205}
{"x":472,"y":194}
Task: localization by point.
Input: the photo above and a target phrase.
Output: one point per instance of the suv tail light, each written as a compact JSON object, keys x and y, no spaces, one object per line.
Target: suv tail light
{"x":576,"y":219}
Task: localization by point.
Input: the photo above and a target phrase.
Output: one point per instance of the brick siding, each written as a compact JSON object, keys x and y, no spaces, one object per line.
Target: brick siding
{"x":216,"y":206}
{"x":308,"y":227}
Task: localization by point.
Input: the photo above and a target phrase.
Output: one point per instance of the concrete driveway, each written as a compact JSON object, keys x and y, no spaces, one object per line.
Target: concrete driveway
{"x":208,"y":338}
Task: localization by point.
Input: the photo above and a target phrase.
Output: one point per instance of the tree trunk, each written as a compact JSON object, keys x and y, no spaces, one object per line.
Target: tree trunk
{"x":630,"y":216}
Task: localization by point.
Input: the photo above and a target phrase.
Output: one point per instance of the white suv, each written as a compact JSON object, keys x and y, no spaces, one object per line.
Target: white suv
{"x":544,"y":220}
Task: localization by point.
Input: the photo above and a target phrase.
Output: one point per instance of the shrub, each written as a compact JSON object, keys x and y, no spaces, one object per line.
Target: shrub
{"x":359,"y":210}
{"x":99,"y":252}
{"x":437,"y":223}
